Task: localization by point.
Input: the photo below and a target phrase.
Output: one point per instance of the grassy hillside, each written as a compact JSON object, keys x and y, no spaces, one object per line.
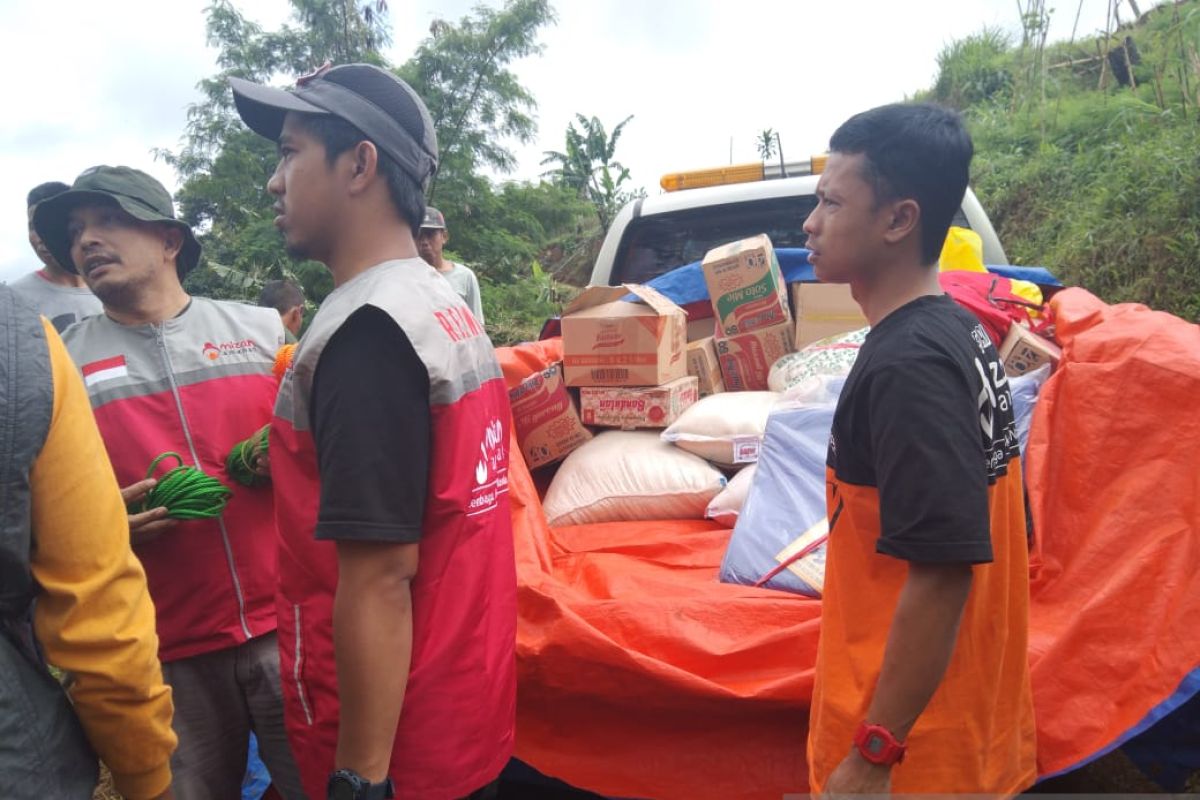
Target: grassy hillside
{"x":1083,"y":169}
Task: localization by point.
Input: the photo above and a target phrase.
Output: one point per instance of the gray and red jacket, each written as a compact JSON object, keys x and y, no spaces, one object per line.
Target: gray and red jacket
{"x":456,"y":728}
{"x":195,"y":385}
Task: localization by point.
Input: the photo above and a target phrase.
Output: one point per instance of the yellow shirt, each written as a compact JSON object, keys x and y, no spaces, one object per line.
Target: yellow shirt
{"x":93,"y":616}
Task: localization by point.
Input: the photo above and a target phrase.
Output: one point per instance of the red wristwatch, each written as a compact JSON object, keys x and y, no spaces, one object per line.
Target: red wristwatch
{"x":877,"y":745}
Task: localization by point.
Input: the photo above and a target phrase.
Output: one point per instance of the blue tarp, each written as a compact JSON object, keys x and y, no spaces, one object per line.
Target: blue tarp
{"x":685,"y":284}
{"x":256,"y":781}
{"x":1168,"y":748}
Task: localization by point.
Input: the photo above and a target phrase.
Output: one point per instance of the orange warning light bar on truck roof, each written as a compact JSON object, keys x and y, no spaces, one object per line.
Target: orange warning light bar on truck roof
{"x":741,"y":173}
{"x":717,"y":176}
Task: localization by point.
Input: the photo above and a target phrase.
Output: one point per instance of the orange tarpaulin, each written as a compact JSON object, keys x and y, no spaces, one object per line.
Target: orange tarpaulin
{"x":1114,"y":478}
{"x":640,"y":675}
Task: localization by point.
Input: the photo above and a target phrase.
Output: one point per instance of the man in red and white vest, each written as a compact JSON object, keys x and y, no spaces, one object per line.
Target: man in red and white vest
{"x":167,"y":372}
{"x":389,"y":455}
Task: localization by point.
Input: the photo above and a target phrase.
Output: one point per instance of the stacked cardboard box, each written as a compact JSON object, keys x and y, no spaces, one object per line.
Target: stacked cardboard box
{"x":754,"y":322}
{"x":703,"y":365}
{"x":746,"y":360}
{"x":1024,"y":351}
{"x":546,"y":418}
{"x":637,"y":407}
{"x":628,"y":359}
{"x":824,"y":310}
{"x":608,"y":341}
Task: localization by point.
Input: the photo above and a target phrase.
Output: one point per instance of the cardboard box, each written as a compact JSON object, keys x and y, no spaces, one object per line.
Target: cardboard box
{"x":645,"y":407}
{"x":702,"y":364}
{"x":1024,"y":351}
{"x":546,"y":419}
{"x":746,"y":286}
{"x":698,"y":329}
{"x":608,"y":341}
{"x":824,"y":310}
{"x":746,"y":360}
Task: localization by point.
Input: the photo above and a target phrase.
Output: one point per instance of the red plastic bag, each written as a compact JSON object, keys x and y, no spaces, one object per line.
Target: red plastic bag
{"x":991,"y":298}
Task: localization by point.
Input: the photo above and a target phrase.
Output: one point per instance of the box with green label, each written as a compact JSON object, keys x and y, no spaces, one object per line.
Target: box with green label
{"x":746,"y":287}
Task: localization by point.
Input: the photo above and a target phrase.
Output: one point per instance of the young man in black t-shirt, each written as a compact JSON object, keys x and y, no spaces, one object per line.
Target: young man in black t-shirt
{"x":923,"y":654}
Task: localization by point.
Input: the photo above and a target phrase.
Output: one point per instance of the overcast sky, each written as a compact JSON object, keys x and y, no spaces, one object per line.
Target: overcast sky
{"x":107,"y":82}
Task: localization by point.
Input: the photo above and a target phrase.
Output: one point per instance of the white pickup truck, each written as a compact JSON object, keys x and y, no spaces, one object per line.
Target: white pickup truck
{"x":655,"y":234}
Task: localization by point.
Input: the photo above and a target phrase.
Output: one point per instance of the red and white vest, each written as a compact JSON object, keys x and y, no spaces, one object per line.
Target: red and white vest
{"x":196,"y":385}
{"x":456,"y":728}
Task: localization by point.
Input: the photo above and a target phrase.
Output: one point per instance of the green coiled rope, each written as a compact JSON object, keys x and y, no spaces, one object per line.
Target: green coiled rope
{"x":246,"y":456}
{"x":186,"y":492}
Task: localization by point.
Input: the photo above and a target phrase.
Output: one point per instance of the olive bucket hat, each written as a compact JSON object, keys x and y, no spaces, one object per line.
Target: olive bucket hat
{"x":133,"y":191}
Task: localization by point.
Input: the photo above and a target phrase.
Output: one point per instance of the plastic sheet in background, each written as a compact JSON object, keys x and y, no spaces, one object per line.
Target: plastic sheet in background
{"x":685,"y":285}
{"x":1168,"y":752}
{"x":1025,"y":390}
{"x":257,"y":780}
{"x":787,"y":499}
{"x":1114,"y":484}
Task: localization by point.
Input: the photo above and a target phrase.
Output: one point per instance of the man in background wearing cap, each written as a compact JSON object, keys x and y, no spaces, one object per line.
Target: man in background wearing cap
{"x":390,"y":443}
{"x":430,"y":240}
{"x":166,"y":372}
{"x":59,"y":295}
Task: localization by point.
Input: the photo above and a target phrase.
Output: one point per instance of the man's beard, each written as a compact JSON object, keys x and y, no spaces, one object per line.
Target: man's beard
{"x":303,"y":250}
{"x":296,"y":249}
{"x":121,"y":296}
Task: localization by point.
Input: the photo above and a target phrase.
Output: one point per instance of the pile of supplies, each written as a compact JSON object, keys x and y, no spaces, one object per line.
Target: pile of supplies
{"x":651,"y":415}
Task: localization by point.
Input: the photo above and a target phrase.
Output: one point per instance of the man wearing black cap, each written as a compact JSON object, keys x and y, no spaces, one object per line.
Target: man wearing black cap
{"x":58,"y":294}
{"x":168,"y":373}
{"x":430,"y":240}
{"x":389,"y":456}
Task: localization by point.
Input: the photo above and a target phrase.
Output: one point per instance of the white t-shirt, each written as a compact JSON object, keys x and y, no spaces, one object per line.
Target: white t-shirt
{"x":466,"y":285}
{"x":62,"y":305}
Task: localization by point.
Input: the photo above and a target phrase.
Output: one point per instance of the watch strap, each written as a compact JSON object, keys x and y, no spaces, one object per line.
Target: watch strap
{"x":362,"y":788}
{"x":385,"y":790}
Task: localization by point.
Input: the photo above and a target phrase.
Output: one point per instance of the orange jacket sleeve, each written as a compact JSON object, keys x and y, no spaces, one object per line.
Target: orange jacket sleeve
{"x":94,"y":617}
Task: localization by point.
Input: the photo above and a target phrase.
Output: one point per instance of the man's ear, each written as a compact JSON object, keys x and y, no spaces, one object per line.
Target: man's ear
{"x":445,"y":236}
{"x":905,"y":220}
{"x":364,"y":165}
{"x":294,"y":316}
{"x":172,"y":241}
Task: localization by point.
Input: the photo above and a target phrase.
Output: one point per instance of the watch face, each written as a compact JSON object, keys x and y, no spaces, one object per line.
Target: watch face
{"x":875,"y":744}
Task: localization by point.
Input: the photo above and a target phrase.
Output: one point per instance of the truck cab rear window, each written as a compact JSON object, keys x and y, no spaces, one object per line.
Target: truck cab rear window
{"x":659,"y":243}
{"x":656,"y":244}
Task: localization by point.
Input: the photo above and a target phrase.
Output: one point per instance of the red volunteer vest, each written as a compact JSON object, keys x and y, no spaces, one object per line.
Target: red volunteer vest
{"x":196,"y":385}
{"x":456,"y":728}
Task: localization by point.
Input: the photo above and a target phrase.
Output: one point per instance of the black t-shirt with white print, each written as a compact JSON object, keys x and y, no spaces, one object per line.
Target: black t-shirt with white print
{"x":926,"y":417}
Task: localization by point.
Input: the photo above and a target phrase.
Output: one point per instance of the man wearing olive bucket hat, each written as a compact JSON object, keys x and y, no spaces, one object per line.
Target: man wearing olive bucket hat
{"x":169,"y":373}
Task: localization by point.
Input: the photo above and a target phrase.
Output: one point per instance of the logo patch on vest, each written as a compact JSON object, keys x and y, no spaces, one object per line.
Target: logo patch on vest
{"x":491,"y":471}
{"x":214,"y":351}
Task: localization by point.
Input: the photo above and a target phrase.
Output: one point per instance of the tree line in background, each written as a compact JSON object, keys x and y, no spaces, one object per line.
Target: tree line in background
{"x":517,"y":235}
{"x":1087,"y":152}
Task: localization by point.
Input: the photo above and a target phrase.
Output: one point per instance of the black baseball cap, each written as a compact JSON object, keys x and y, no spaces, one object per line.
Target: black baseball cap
{"x":133,"y":191}
{"x":373,"y":100}
{"x":433,"y":219}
